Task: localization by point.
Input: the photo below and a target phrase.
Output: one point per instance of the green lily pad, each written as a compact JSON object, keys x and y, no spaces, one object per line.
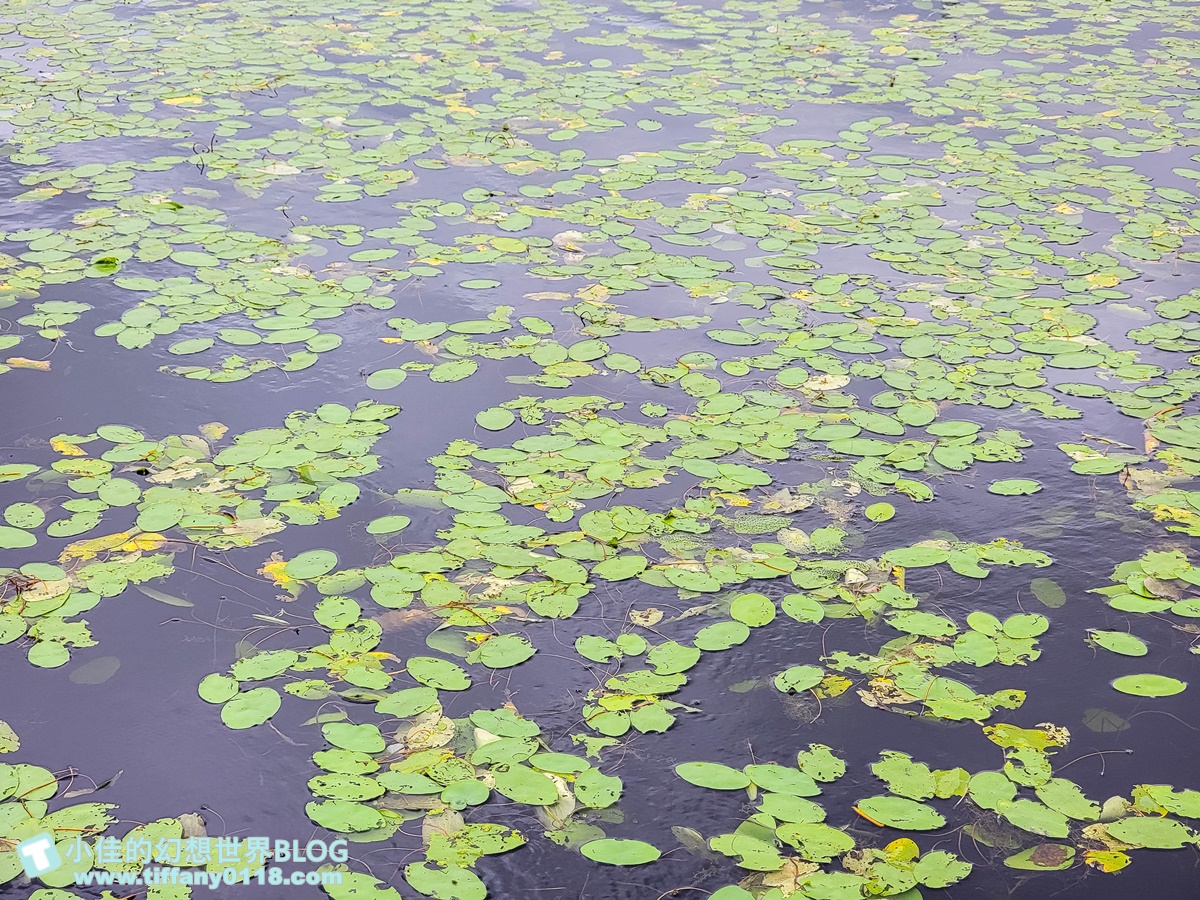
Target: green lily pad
{"x":620,"y":852}
{"x":251,"y":708}
{"x":388,"y":524}
{"x":1118,"y":642}
{"x":438,"y":673}
{"x":880,"y":512}
{"x":902,"y":813}
{"x":311,"y":564}
{"x":712,"y":775}
{"x":449,"y":883}
{"x":1149,"y":685}
{"x":1014,"y":487}
{"x":494,"y":419}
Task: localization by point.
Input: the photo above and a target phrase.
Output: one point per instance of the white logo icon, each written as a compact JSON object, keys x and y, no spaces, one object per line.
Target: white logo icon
{"x":38,"y":855}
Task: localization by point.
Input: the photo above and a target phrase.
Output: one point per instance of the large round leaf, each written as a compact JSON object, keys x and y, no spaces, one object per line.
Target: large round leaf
{"x":450,"y":883}
{"x":1155,"y":833}
{"x":438,"y":673}
{"x":1149,"y":685}
{"x":712,"y":775}
{"x":617,"y":852}
{"x":1118,"y":642}
{"x":799,"y":678}
{"x":388,"y":524}
{"x":595,"y":789}
{"x":217,"y":688}
{"x":916,"y":557}
{"x":1029,"y":815}
{"x":345,"y":816}
{"x":524,"y":785}
{"x":618,"y":568}
{"x":251,"y":708}
{"x":311,"y":564}
{"x":900,"y":812}
{"x":505,"y":650}
{"x":754,"y":610}
{"x":494,"y":419}
{"x":15,"y":538}
{"x":1014,"y":487}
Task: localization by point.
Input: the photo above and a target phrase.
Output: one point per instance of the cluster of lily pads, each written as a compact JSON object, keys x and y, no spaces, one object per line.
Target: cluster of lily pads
{"x":832,"y":296}
{"x":236,"y":496}
{"x":785,"y":816}
{"x":26,"y":791}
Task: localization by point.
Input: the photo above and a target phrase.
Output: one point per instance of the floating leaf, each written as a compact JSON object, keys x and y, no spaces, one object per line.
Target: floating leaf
{"x":820,"y":762}
{"x":671,"y":658}
{"x":754,"y":610}
{"x":48,"y":655}
{"x":1066,"y":797}
{"x":311,"y":564}
{"x":494,"y":419}
{"x":1014,"y":487}
{"x":815,"y":841}
{"x":406,"y":703}
{"x":722,"y":636}
{"x":8,"y":738}
{"x":347,"y":736}
{"x":939,"y":869}
{"x":918,"y":556}
{"x":251,"y":708}
{"x":194,"y":345}
{"x":337,"y":612}
{"x":1149,"y":685}
{"x":453,"y":371}
{"x":438,"y":673}
{"x":1155,"y":833}
{"x":712,"y":775}
{"x":388,"y":524}
{"x":1118,"y":642}
{"x":880,"y":512}
{"x":450,"y":883}
{"x":345,"y":816}
{"x":782,"y":780}
{"x":1029,"y":815}
{"x":1026,"y":625}
{"x":619,"y":852}
{"x":900,"y":812}
{"x":597,"y":790}
{"x":619,"y":568}
{"x":217,"y":688}
{"x":799,"y":678}
{"x":386,"y":379}
{"x":524,"y":785}
{"x":15,"y":538}
{"x":504,"y":651}
{"x":264,"y":665}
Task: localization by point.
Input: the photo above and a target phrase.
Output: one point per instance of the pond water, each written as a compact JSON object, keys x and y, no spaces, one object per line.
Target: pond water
{"x":627,"y":450}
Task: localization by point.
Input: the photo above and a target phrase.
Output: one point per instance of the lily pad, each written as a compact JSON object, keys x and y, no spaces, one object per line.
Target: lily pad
{"x":449,"y":883}
{"x":1149,"y":685}
{"x":902,"y":813}
{"x":712,"y":775}
{"x":620,"y":852}
{"x":1014,"y":487}
{"x":1118,"y":642}
{"x":311,"y":564}
{"x":251,"y":708}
